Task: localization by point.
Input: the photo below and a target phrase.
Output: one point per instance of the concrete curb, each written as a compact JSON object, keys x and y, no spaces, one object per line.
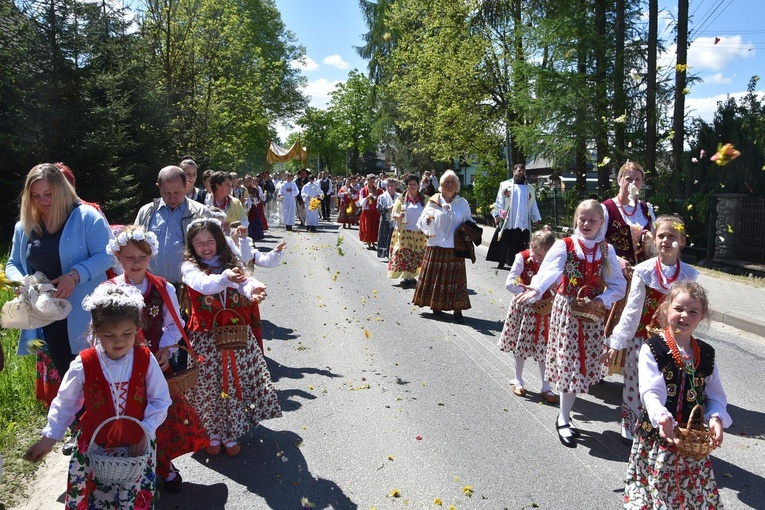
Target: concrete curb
{"x":740,"y":322}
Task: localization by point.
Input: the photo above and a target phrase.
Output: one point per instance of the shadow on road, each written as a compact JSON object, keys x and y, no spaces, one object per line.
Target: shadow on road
{"x":271,"y":466}
{"x":273,"y":332}
{"x":749,"y":487}
{"x":279,"y":371}
{"x":747,"y":423}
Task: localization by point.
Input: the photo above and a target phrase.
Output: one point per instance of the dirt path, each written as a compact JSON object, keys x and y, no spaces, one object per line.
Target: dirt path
{"x":49,"y":483}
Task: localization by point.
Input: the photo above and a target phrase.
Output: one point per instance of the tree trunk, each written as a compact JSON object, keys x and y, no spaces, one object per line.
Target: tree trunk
{"x":601,"y":100}
{"x":619,"y":98}
{"x":650,"y":101}
{"x":680,"y":82}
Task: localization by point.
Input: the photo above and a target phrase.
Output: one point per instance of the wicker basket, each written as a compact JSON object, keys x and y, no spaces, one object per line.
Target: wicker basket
{"x":182,"y":381}
{"x":233,"y":336}
{"x":696,"y":441}
{"x":543,"y":306}
{"x":587,"y":310}
{"x":114,"y":465}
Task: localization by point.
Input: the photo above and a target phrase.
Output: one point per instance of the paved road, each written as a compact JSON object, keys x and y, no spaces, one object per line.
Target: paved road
{"x":379,"y":396}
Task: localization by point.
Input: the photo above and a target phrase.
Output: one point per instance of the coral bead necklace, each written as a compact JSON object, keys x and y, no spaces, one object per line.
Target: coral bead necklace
{"x":687,"y":363}
{"x":665,"y":282}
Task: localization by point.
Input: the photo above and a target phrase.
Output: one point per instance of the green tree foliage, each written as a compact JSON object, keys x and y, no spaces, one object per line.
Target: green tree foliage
{"x":352,"y":108}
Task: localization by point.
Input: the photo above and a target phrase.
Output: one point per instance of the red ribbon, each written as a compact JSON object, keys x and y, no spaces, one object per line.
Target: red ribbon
{"x":229,"y":357}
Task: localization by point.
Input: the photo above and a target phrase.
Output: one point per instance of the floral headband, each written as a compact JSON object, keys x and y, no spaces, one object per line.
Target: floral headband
{"x":112,"y":295}
{"x":204,"y":220}
{"x":122,"y":239}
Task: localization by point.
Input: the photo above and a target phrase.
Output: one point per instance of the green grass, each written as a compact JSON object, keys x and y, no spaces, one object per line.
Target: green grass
{"x":21,"y":416}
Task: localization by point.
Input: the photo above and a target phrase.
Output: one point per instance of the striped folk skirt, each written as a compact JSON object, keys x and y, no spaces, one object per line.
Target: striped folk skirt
{"x":443,"y":281}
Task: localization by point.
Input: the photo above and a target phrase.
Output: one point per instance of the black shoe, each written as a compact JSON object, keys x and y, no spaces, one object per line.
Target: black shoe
{"x":575,"y":432}
{"x":437,"y":312}
{"x":174,"y":486}
{"x":458,"y":318}
{"x":568,"y":442}
{"x":69,"y":446}
{"x":289,"y":228}
{"x":501,"y":266}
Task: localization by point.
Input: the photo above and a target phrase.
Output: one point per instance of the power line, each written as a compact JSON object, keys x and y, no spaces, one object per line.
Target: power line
{"x":710,"y":19}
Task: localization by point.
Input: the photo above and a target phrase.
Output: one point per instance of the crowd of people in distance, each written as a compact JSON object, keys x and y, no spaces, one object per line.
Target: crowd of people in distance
{"x":612,"y":297}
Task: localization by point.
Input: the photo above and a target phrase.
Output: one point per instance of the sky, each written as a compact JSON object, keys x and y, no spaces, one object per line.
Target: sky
{"x":329,"y":30}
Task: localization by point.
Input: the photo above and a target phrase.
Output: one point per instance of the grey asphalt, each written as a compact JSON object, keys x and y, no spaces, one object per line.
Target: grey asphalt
{"x":379,"y":396}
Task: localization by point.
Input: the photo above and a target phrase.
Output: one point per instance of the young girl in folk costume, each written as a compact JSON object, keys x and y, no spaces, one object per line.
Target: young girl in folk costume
{"x":243,"y":248}
{"x":585,"y":264}
{"x":347,"y":197}
{"x":369,"y":221}
{"x":254,"y":206}
{"x":651,"y":281}
{"x":677,"y":372}
{"x":525,"y":332}
{"x":114,"y":377}
{"x":235,"y":389}
{"x":161,"y":328}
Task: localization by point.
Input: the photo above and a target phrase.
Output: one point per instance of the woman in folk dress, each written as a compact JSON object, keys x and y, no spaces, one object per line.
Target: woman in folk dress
{"x":408,"y":242}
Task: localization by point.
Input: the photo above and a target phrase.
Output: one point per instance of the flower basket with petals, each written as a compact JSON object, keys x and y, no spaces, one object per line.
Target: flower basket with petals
{"x":232,"y":336}
{"x":184,"y":380}
{"x":114,"y":465}
{"x":696,"y":441}
{"x":586,"y":309}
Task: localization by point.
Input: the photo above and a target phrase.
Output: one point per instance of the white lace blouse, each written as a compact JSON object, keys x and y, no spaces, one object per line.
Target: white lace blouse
{"x":71,"y":395}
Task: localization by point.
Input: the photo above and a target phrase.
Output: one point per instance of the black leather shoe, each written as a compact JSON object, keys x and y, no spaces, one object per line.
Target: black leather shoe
{"x":68,"y":447}
{"x":575,"y":432}
{"x":175,"y":484}
{"x":458,"y":318}
{"x":568,"y":442}
{"x":437,"y":312}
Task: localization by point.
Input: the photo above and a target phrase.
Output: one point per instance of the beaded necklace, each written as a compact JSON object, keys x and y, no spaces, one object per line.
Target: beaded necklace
{"x":589,"y":260}
{"x":688,"y":363}
{"x":624,"y":211}
{"x":662,"y":279}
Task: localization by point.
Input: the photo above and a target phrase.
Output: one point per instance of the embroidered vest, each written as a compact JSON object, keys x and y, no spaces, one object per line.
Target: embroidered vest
{"x":99,"y":403}
{"x":205,"y":307}
{"x":680,"y":396}
{"x":653,"y":298}
{"x":575,"y":275}
{"x":618,"y":233}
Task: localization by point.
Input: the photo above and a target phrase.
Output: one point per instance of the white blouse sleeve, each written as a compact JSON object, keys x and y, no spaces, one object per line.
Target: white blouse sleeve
{"x":653,"y":389}
{"x":716,"y":401}
{"x":616,"y":285}
{"x":514,"y":276}
{"x":202,"y":282}
{"x":157,"y":398}
{"x":171,"y":335}
{"x":67,"y":403}
{"x":630,"y":319}
{"x":271,"y":259}
{"x":249,"y":286}
{"x":550,"y":270}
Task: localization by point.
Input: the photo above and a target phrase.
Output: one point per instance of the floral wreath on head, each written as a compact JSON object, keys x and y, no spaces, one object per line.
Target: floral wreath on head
{"x":205,"y":220}
{"x":110,"y":294}
{"x":122,"y":239}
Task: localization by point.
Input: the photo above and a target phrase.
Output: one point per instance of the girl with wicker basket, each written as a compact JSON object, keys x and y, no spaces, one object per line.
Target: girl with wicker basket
{"x":590,"y":282}
{"x":234,"y":390}
{"x":161,"y":329}
{"x":679,"y":380}
{"x":525,"y":330}
{"x":651,"y":281}
{"x":126,"y":399}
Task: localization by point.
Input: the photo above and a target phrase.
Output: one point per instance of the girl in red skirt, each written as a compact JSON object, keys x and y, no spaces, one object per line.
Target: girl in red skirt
{"x":369,"y":221}
{"x":161,"y":328}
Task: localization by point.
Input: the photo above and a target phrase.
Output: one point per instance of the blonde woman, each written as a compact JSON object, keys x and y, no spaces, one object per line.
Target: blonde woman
{"x":65,"y":240}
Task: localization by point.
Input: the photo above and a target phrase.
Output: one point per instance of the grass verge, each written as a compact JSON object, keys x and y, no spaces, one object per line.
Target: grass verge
{"x":21,"y":416}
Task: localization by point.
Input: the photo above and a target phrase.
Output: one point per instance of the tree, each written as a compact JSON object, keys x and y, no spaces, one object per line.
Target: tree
{"x":351,"y":107}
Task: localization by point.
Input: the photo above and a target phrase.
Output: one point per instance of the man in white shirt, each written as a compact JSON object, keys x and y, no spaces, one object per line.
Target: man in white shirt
{"x":514,"y":211}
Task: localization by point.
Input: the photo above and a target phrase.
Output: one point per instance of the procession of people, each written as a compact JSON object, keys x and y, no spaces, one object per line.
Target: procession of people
{"x":186,"y":268}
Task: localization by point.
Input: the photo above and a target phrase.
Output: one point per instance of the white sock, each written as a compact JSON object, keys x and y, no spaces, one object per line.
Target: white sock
{"x":546,"y":386}
{"x":566,"y":404}
{"x":519,"y":362}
